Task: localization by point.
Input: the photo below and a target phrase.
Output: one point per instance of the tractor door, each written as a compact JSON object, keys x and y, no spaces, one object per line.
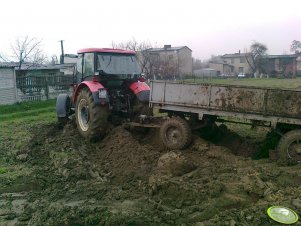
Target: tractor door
{"x":88,"y":66}
{"x":79,"y":68}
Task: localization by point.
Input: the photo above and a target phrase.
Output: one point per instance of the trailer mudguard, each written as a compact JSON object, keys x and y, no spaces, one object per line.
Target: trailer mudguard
{"x":94,"y":88}
{"x":141,"y":90}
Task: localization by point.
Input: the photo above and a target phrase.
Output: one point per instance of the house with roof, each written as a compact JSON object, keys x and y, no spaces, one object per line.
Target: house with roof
{"x":222,"y":68}
{"x":238,"y":62}
{"x":8,"y":86}
{"x":69,"y":59}
{"x":169,"y":61}
{"x":30,"y":81}
{"x":285,"y":64}
{"x":31,"y":69}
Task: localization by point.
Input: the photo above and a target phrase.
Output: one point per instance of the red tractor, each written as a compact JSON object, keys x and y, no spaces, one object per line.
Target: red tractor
{"x":108,"y":88}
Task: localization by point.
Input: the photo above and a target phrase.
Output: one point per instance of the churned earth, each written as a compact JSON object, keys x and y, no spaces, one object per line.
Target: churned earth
{"x":54,"y":177}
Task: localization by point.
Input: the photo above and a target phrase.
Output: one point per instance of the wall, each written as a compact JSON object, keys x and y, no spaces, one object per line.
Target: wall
{"x":185,"y":61}
{"x":8,"y":91}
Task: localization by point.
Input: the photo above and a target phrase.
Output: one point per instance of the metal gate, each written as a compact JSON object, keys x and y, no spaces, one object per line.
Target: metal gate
{"x":30,"y":88}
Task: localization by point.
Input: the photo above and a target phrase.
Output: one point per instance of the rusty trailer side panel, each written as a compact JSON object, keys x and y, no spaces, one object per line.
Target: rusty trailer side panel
{"x":283,"y":105}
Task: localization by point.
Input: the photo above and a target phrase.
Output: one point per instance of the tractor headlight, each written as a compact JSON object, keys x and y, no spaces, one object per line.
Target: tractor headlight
{"x":102,"y":94}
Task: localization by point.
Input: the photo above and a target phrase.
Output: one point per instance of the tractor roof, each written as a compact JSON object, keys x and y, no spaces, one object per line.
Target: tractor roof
{"x":105,"y":50}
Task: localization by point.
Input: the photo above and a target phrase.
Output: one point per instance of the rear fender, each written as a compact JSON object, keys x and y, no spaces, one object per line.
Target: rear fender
{"x":63,"y":105}
{"x":94,"y":88}
{"x":141,"y":90}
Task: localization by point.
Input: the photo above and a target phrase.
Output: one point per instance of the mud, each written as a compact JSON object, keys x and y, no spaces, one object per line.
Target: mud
{"x":128,"y":178}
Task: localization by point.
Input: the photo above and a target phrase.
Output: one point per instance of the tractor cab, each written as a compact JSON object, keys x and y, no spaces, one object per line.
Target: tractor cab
{"x":111,"y":67}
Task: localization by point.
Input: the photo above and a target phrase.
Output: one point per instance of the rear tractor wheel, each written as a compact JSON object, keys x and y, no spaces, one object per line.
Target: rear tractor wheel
{"x":91,"y":118}
{"x":289,"y":147}
{"x":175,"y":133}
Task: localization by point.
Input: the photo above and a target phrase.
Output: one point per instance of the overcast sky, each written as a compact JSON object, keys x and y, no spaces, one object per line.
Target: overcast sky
{"x":207,"y":27}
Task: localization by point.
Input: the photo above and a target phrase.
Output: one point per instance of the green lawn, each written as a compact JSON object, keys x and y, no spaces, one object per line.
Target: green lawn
{"x":259,"y":82}
{"x":31,"y":110}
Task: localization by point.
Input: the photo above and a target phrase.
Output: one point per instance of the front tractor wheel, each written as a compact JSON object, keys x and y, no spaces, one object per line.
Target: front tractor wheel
{"x":91,"y":118}
{"x":175,"y":133}
{"x":289,"y":147}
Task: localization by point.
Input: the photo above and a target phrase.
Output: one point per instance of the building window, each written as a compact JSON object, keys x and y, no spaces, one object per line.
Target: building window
{"x":242,"y":60}
{"x":241,"y":70}
{"x":170,"y":57}
{"x":232,"y":60}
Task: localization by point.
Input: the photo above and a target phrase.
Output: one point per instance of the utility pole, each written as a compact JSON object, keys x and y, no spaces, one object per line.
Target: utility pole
{"x":62,"y":49}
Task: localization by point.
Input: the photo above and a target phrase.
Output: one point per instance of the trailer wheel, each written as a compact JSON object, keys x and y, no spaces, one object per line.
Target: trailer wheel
{"x":175,"y":133}
{"x":91,"y":119}
{"x":289,"y":147}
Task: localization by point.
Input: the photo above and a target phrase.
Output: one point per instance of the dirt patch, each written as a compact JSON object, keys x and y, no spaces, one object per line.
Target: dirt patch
{"x":130,"y":179}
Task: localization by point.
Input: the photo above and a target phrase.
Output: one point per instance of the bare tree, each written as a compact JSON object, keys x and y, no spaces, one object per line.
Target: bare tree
{"x":3,"y":58}
{"x":28,"y":50}
{"x":255,"y":55}
{"x":145,"y":60}
{"x":296,"y":46}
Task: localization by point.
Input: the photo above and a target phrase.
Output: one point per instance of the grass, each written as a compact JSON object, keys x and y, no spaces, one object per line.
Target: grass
{"x":3,"y":170}
{"x":258,"y":82}
{"x":26,"y":109}
{"x":17,"y":120}
{"x":17,"y":123}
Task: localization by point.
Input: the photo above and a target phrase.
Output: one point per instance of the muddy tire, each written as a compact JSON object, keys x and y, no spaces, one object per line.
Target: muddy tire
{"x":289,"y":148}
{"x":61,"y":122}
{"x":175,"y":133}
{"x":91,"y":119}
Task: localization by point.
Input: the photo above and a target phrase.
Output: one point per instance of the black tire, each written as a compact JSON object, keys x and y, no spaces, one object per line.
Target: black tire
{"x":289,"y":147}
{"x":91,"y":119}
{"x":175,"y":133}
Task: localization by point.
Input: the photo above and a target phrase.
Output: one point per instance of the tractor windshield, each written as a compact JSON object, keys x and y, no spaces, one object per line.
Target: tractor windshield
{"x":117,"y":64}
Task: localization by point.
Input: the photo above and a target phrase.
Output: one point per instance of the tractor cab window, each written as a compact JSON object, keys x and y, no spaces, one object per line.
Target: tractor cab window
{"x":79,"y":68}
{"x":88,"y":64}
{"x":118,"y":64}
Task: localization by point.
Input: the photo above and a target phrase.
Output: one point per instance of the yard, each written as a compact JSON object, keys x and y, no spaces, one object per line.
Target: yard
{"x":51,"y":176}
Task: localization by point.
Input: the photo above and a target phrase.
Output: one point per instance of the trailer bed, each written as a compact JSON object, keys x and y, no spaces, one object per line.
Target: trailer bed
{"x":268,"y":104}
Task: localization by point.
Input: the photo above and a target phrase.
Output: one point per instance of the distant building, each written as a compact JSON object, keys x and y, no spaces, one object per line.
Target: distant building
{"x":33,"y":81}
{"x":298,"y":65}
{"x":8,"y":86}
{"x":31,"y":69}
{"x":239,"y":63}
{"x":170,"y":61}
{"x":69,"y":58}
{"x":222,"y":68}
{"x":280,"y":64}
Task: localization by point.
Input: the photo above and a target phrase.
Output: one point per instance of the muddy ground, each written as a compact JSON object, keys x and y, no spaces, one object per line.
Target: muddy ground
{"x":128,"y":178}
